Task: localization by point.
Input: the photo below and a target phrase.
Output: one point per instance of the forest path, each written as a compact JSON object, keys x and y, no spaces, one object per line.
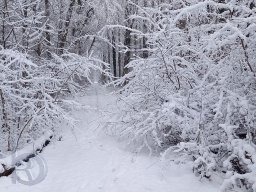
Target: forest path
{"x":87,"y":162}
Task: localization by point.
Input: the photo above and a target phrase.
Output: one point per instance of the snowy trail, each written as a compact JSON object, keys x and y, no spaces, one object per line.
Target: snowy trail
{"x":90,"y":163}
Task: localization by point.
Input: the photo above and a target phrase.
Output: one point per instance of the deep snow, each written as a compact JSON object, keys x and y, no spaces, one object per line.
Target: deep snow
{"x":86,"y":161}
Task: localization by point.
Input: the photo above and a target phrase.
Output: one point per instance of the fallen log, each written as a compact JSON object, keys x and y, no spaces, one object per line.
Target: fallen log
{"x":8,"y":164}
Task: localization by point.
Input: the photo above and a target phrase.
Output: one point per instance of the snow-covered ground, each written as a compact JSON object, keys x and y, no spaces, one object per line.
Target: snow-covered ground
{"x":85,"y":161}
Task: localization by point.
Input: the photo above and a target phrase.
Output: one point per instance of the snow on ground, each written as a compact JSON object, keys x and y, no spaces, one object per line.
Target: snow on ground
{"x":84,"y":161}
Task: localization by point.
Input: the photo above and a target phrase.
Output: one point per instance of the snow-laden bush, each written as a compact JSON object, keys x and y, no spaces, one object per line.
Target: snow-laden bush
{"x":75,"y":71}
{"x":154,"y":106}
{"x":241,"y":167}
{"x":31,"y":94}
{"x":27,"y":108}
{"x":195,"y":94}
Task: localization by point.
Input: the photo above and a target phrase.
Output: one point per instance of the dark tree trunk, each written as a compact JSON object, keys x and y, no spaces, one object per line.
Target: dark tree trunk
{"x":47,"y":33}
{"x":63,"y":33}
{"x":114,"y":55}
{"x":127,"y":56}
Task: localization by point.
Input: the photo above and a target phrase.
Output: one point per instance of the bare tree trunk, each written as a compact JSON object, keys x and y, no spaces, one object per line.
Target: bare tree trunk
{"x":47,"y":33}
{"x":4,"y":30}
{"x":24,"y":29}
{"x":127,"y":43}
{"x":3,"y":25}
{"x":114,"y":54}
{"x":5,"y":126}
{"x":63,"y":34}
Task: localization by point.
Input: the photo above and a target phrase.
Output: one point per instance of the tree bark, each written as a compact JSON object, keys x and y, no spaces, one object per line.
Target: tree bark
{"x":47,"y":33}
{"x":63,"y":33}
{"x":5,"y":125}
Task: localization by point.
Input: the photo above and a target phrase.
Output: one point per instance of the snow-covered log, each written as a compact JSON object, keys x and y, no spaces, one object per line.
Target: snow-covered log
{"x":8,"y":163}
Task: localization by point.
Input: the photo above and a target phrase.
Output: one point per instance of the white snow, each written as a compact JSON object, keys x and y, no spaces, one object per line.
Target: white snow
{"x":85,"y":161}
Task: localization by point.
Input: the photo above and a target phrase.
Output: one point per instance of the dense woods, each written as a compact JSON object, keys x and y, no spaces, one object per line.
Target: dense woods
{"x":185,"y":71}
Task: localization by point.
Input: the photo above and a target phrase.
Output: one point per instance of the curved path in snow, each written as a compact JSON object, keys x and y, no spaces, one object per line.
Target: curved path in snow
{"x":86,"y":162}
